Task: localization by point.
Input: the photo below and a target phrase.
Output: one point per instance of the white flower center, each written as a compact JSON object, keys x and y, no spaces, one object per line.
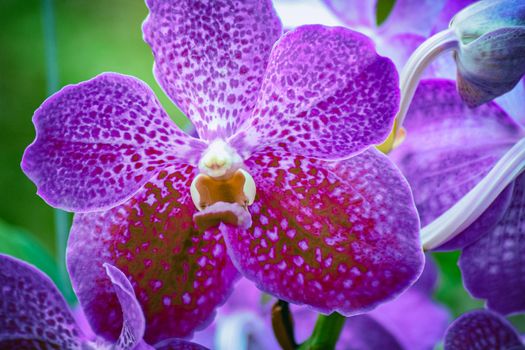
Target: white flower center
{"x":219,"y":160}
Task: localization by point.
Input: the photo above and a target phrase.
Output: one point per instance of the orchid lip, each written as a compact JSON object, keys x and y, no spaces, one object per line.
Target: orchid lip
{"x":222,"y":191}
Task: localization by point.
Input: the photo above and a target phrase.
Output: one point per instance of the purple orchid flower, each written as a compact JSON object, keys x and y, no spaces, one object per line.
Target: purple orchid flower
{"x":482,"y":329}
{"x":283,"y":181}
{"x":407,"y":26}
{"x":449,"y":155}
{"x":34,"y":315}
{"x":410,"y":322}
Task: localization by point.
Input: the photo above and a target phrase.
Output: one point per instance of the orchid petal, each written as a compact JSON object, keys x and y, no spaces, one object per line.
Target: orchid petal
{"x":179,"y":274}
{"x":492,"y":267}
{"x":336,"y":236}
{"x":448,"y":12}
{"x":415,"y":320}
{"x":512,"y":102}
{"x":365,"y":333}
{"x":133,"y":324}
{"x":399,"y":47}
{"x":99,"y":141}
{"x":482,"y":330}
{"x":412,"y":321}
{"x":354,"y":13}
{"x":210,"y":57}
{"x":485,"y":223}
{"x":412,"y":16}
{"x":294,"y":13}
{"x":178,"y":344}
{"x":449,"y":147}
{"x":33,"y":313}
{"x":427,"y":281}
{"x":326,"y":94}
{"x":243,"y":322}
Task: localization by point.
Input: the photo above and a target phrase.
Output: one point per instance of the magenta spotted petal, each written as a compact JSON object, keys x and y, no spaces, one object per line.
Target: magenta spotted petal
{"x":133,"y":325}
{"x":336,"y":236}
{"x":493,"y":266}
{"x":179,"y":275}
{"x":33,"y":313}
{"x":326,"y":94}
{"x":482,"y":330}
{"x":210,"y":57}
{"x":449,"y":147}
{"x":99,"y":141}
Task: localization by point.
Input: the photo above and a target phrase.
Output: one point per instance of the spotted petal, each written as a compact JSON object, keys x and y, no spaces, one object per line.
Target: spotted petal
{"x":336,"y":236}
{"x":99,"y":141}
{"x":326,"y":94}
{"x":33,"y":313}
{"x":210,"y":57}
{"x":482,"y":330}
{"x":133,"y":319}
{"x":178,"y":274}
{"x":449,"y":147}
{"x":493,"y":266}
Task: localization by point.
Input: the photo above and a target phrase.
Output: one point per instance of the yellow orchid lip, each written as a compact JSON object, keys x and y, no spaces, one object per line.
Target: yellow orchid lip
{"x":238,"y":188}
{"x":223,"y":190}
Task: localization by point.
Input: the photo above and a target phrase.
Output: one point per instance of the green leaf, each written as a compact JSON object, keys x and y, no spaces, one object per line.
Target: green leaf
{"x":18,"y":243}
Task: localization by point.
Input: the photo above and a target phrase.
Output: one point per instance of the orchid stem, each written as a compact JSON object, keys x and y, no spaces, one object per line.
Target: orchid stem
{"x":477,"y":200}
{"x":326,"y":333}
{"x":62,"y":219}
{"x":420,"y":59}
{"x":282,"y":323}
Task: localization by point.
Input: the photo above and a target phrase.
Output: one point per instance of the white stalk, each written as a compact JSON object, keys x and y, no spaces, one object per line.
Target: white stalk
{"x":475,"y":202}
{"x":417,"y":63}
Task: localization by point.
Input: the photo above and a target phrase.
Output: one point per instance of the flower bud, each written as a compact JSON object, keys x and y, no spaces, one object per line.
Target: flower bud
{"x":491,"y":53}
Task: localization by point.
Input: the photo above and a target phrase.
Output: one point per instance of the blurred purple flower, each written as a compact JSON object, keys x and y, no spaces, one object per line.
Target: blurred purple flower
{"x":450,"y":153}
{"x":336,"y":233}
{"x":410,"y":322}
{"x":482,"y":329}
{"x":409,"y":23}
{"x":34,"y":315}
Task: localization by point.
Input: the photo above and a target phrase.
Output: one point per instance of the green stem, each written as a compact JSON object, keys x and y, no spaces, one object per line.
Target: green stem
{"x":62,"y":219}
{"x":282,"y":324}
{"x":326,"y":333}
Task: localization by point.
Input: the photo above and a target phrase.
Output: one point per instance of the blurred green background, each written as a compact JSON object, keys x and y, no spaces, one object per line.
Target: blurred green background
{"x":92,"y":36}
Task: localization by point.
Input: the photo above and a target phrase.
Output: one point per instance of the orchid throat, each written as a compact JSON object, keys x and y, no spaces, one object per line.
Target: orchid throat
{"x":223,"y":190}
